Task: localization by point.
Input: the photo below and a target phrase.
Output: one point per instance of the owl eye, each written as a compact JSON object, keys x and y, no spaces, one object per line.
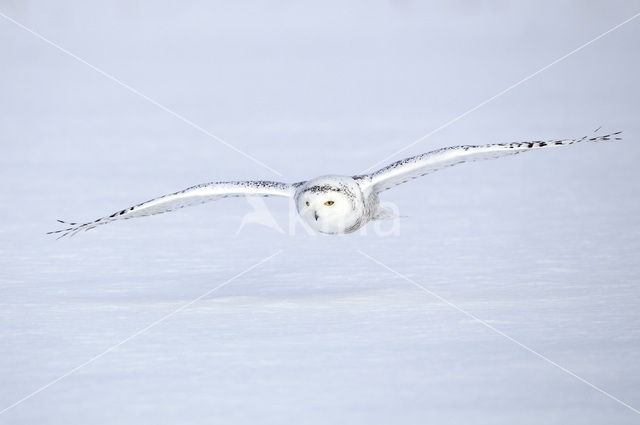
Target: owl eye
{"x":328,"y":203}
{"x":307,"y":203}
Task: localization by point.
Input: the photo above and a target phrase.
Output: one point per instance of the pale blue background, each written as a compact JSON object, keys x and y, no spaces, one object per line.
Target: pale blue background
{"x":544,"y":246}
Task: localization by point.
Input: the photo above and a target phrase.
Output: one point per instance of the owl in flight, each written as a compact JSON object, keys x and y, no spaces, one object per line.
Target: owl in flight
{"x":331,"y":204}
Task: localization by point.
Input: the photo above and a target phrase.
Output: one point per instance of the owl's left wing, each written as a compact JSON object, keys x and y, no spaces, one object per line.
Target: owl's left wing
{"x":420,"y":165}
{"x":192,"y":196}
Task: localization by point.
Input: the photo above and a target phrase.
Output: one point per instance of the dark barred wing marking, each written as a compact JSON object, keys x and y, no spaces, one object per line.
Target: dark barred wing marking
{"x":192,"y":196}
{"x":410,"y":168}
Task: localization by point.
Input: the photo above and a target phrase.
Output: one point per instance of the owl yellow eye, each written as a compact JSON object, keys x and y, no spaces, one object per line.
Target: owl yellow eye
{"x":307,"y":203}
{"x":328,"y":203}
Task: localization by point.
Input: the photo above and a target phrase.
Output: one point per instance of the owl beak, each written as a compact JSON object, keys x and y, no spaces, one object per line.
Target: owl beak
{"x":316,"y":215}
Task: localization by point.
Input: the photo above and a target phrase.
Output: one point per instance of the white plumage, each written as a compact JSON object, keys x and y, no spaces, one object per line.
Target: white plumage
{"x":331,"y":204}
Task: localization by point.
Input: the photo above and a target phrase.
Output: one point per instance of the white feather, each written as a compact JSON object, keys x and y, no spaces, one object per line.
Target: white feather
{"x":192,"y":196}
{"x":420,"y":165}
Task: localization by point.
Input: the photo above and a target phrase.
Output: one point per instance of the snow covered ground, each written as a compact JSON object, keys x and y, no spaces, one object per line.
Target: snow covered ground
{"x":544,"y":247}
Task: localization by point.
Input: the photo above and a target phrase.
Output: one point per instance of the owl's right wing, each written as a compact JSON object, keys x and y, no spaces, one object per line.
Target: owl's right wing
{"x":420,"y":165}
{"x":192,"y":196}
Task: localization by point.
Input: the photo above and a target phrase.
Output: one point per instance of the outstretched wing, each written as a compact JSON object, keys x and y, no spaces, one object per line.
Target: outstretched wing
{"x":420,"y":165}
{"x":192,"y":196}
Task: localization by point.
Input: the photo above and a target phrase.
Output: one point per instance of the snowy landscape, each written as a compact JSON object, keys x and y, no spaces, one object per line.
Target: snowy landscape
{"x":507,"y":293}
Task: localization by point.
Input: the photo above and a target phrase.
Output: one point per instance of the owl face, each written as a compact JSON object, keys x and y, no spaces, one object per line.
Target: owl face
{"x":331,"y":206}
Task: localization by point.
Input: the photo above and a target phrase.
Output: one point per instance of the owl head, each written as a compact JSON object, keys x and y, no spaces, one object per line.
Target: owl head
{"x":331,"y":204}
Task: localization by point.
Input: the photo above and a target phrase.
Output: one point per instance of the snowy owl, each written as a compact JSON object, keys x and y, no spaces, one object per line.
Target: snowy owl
{"x":331,"y":204}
